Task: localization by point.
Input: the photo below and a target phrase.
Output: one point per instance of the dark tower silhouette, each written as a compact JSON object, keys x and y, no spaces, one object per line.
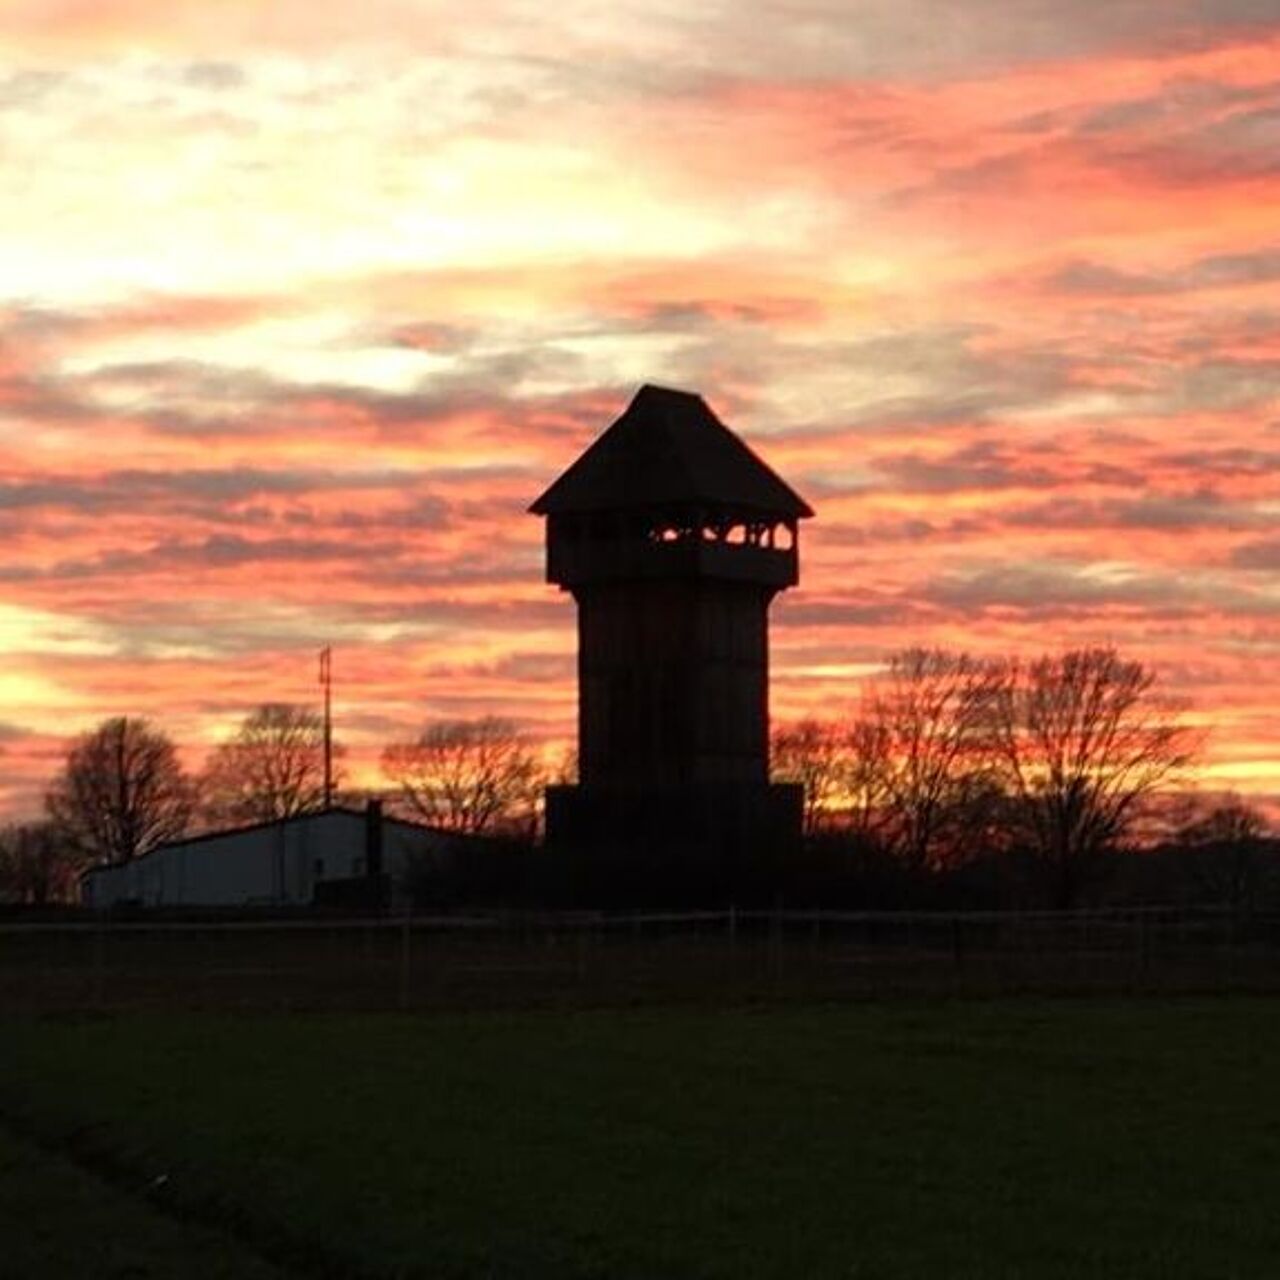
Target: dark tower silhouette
{"x":673,"y":538}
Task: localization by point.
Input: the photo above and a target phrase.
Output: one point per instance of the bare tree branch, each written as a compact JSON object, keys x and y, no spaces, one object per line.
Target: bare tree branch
{"x":1230,"y":855}
{"x":927,"y":723}
{"x":36,"y":867}
{"x":122,"y":791}
{"x":272,"y":768}
{"x":477,"y":776}
{"x":1082,"y":742}
{"x":811,"y":753}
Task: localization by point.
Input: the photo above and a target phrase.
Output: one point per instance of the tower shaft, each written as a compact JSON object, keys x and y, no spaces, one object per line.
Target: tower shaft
{"x":673,"y":683}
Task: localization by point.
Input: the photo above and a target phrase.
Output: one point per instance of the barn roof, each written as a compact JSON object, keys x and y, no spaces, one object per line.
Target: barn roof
{"x":669,"y":449}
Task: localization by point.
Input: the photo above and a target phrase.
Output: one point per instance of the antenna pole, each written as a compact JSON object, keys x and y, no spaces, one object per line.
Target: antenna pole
{"x":326,"y":681}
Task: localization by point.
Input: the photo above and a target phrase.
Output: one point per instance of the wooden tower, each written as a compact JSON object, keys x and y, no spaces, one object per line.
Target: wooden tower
{"x":673,"y":538}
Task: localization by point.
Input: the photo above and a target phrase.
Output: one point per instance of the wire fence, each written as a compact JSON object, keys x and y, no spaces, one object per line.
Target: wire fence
{"x":517,"y":960}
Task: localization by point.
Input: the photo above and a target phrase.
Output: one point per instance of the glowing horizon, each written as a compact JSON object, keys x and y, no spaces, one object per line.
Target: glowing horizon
{"x":301,"y":306}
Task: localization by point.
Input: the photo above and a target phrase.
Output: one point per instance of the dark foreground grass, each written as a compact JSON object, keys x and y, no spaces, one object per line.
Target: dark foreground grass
{"x":966,"y":1139}
{"x":56,"y":1220}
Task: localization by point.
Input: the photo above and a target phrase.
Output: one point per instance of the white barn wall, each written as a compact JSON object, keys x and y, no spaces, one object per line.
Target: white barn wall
{"x":276,"y":864}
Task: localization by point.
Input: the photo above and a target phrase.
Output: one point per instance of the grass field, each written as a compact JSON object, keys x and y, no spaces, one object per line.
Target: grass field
{"x":1076,"y":1137}
{"x":57,"y":1220}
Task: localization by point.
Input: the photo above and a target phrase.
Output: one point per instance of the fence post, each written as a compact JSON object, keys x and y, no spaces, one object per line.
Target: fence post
{"x":98,"y":980}
{"x":729,"y":969}
{"x":405,"y":958}
{"x":957,"y":943}
{"x":1233,"y":943}
{"x":1140,"y":937}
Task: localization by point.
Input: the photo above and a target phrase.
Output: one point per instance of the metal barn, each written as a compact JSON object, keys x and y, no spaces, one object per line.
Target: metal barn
{"x":281,"y":863}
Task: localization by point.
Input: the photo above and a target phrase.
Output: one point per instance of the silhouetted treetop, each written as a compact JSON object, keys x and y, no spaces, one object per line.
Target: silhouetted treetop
{"x":475,"y":776}
{"x":122,"y":791}
{"x":273,"y":767}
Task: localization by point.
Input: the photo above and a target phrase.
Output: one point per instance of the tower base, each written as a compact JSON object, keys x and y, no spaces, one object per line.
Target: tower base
{"x":709,"y":844}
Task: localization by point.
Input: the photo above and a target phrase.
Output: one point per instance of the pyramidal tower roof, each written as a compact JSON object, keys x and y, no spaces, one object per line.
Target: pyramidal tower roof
{"x":669,"y":449}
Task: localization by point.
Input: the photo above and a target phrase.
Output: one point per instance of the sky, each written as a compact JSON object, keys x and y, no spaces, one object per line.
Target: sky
{"x":302,"y":304}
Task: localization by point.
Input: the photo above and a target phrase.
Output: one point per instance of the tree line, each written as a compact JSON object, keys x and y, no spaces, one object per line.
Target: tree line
{"x":1056,"y":764}
{"x":123,"y":789}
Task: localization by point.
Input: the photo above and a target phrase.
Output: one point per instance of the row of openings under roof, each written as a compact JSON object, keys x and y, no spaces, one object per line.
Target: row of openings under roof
{"x":675,"y":525}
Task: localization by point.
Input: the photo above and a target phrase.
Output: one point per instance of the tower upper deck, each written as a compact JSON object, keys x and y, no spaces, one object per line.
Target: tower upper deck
{"x":668,"y":491}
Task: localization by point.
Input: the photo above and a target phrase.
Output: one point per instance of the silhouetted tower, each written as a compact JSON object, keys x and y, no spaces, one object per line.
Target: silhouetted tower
{"x":673,"y":538}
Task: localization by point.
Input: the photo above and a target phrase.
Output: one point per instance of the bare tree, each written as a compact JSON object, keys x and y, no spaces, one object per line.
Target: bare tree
{"x":36,"y":868}
{"x":122,"y":791}
{"x":865,"y":780}
{"x":927,"y":730}
{"x":272,"y":768}
{"x":1231,"y":857}
{"x":476,"y":776}
{"x":812,"y":753}
{"x":1082,"y":743}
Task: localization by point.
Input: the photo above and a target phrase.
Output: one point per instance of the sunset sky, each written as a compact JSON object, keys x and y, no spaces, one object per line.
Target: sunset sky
{"x":301,"y":304}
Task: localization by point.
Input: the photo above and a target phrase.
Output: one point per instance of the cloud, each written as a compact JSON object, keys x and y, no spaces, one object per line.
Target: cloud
{"x":214,"y":75}
{"x":1096,"y":279}
{"x":218,"y":551}
{"x":1216,"y":271}
{"x":1180,"y":99}
{"x":27,"y":87}
{"x":517,"y":667}
{"x":812,"y":38}
{"x":1229,"y":461}
{"x":914,"y":529}
{"x":199,"y":490}
{"x":1263,"y":554}
{"x":837,"y":613}
{"x":1203,"y":509}
{"x":1052,"y":589}
{"x":982,"y":465}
